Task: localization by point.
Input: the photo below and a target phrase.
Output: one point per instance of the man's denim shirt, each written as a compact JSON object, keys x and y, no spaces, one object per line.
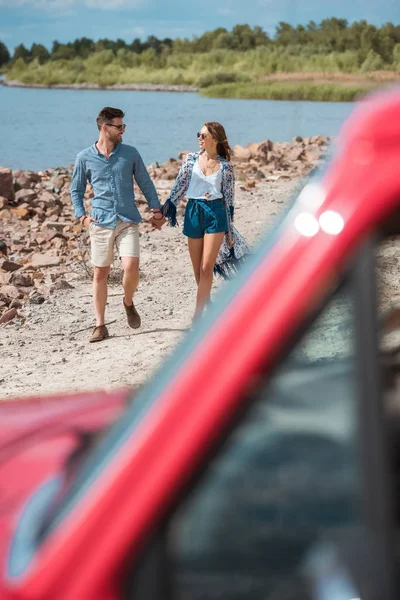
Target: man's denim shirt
{"x":112,"y":183}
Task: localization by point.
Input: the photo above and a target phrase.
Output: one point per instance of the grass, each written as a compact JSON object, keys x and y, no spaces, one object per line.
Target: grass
{"x":291,"y":90}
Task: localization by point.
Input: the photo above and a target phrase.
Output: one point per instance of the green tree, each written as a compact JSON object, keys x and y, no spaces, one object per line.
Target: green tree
{"x":384,"y":44}
{"x":21,"y":52}
{"x":136,"y":46}
{"x":373,"y":62}
{"x":367,"y":40}
{"x":223,"y":41}
{"x":245,"y":38}
{"x":4,"y":54}
{"x":396,"y":56}
{"x":333,"y":24}
{"x":62,"y":51}
{"x":83,"y":47}
{"x":154,"y":43}
{"x":39,"y":52}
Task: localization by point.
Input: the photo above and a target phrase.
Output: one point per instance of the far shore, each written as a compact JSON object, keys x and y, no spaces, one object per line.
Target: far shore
{"x":278,"y":87}
{"x":138,"y":87}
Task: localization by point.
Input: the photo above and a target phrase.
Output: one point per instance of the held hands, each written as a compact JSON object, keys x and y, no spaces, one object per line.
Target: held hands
{"x":157,"y":219}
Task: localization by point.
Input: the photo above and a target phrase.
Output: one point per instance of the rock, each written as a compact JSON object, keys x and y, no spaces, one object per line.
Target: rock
{"x":30,"y":176}
{"x":3,"y":248}
{"x":5,"y":215}
{"x":265,"y":147}
{"x":25,"y":291}
{"x":6,"y":183}
{"x":250,"y":184}
{"x":55,"y":212}
{"x":295,"y":154}
{"x":21,"y":181}
{"x":58,"y":181}
{"x":48,"y":234}
{"x":25,"y":195}
{"x":241,"y":153}
{"x":3,"y":202}
{"x":36,"y":298}
{"x":8,"y":315}
{"x":47,"y":198}
{"x":20,"y":212}
{"x":44,"y":260}
{"x":11,"y":291}
{"x":9,"y":265}
{"x":19,"y":279}
{"x":5,"y":278}
{"x":62,"y":284}
{"x":16,"y":304}
{"x":319,"y":140}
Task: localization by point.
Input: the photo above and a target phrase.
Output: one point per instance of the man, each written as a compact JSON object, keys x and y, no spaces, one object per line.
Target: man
{"x":109,"y":165}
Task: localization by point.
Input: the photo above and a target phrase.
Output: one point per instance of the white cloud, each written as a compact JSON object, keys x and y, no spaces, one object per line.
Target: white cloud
{"x":112,"y":4}
{"x":62,"y":5}
{"x":225,"y":12}
{"x":132,"y":32}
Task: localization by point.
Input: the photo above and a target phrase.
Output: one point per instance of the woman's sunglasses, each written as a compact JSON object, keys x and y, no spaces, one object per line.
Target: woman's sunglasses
{"x":201,"y":136}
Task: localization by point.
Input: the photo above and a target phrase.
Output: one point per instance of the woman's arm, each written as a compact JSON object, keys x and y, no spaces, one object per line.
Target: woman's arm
{"x":179,"y":189}
{"x":182,"y":181}
{"x":228,"y":188}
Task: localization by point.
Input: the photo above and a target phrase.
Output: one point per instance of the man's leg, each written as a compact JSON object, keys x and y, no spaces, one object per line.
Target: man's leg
{"x":130,"y":279}
{"x":100,"y":275}
{"x":127,"y":241}
{"x":102,"y":243}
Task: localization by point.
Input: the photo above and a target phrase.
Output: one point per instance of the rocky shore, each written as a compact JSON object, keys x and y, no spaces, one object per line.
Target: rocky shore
{"x":138,"y":87}
{"x":42,"y":242}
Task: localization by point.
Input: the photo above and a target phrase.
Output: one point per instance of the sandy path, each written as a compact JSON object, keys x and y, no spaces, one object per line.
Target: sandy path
{"x":38,"y":360}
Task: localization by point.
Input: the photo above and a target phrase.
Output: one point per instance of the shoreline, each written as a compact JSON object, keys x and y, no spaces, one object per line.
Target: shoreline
{"x":125,"y":87}
{"x":270,"y":89}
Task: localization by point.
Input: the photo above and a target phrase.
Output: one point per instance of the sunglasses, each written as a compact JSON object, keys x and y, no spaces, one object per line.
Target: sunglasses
{"x":119,"y":127}
{"x":201,"y":136}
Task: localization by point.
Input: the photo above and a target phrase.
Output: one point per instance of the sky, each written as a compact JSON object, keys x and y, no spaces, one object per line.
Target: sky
{"x":43,"y":21}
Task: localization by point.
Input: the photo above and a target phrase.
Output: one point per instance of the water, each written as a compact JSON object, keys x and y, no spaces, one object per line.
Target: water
{"x":42,"y":128}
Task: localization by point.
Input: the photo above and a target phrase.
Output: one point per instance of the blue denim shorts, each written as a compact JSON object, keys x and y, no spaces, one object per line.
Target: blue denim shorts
{"x":205,"y":216}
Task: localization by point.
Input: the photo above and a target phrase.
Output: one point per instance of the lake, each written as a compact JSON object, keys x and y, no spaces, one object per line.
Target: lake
{"x":42,"y":128}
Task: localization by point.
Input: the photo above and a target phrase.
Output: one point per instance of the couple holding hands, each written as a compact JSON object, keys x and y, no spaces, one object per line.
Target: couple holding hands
{"x":206,"y":178}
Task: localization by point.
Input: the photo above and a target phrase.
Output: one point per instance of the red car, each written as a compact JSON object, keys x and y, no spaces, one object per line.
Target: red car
{"x":260,"y":462}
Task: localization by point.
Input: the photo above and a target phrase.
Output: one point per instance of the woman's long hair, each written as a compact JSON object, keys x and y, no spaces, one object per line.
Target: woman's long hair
{"x":218,"y":133}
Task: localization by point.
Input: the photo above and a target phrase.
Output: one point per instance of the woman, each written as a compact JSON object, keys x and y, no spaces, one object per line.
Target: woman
{"x":207,"y":179}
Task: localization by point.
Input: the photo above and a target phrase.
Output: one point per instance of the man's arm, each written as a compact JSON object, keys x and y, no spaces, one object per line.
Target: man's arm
{"x":78,"y":187}
{"x":144,"y":181}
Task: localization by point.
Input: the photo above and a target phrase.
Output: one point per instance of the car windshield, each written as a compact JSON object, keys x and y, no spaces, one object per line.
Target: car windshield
{"x":287,"y":478}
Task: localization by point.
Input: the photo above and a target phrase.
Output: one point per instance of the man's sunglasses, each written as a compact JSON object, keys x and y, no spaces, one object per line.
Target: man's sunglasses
{"x":119,"y":127}
{"x":201,"y":136}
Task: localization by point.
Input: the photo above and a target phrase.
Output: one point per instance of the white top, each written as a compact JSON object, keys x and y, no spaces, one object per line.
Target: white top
{"x":204,"y":187}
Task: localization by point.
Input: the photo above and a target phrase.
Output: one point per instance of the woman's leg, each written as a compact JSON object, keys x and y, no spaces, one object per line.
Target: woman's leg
{"x":196,"y":254}
{"x":211,"y":246}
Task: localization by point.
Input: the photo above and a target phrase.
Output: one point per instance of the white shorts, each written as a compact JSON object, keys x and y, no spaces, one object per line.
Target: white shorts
{"x":125,"y":237}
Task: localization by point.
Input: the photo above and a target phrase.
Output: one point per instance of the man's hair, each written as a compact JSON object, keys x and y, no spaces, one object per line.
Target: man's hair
{"x":107,"y":114}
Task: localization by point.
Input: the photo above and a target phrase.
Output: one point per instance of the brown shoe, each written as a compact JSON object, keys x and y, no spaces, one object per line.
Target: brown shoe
{"x":99,"y":333}
{"x":133,"y":316}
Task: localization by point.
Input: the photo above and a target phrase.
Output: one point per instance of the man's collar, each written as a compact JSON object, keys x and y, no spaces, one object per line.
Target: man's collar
{"x":113,"y":151}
